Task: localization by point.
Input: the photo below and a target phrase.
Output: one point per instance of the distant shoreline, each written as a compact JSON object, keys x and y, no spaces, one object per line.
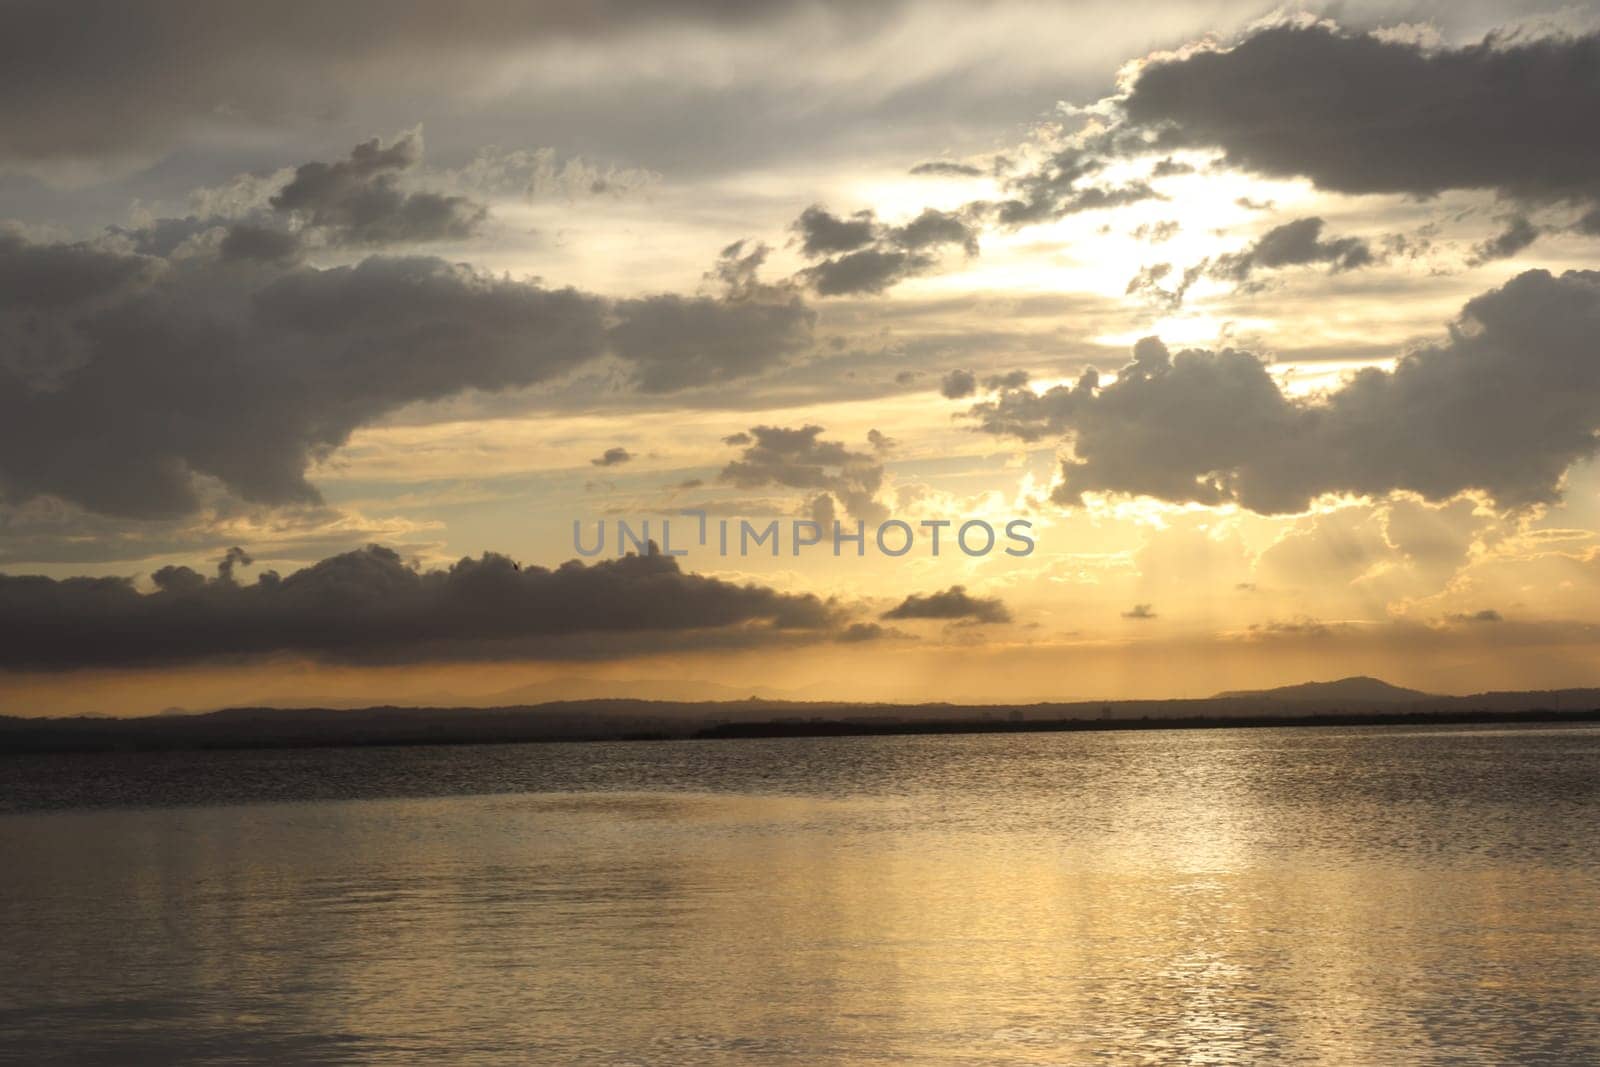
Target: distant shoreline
{"x":267,"y":728}
{"x":982,"y":726}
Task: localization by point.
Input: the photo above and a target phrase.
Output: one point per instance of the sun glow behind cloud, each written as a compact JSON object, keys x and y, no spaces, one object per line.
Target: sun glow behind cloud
{"x":726,"y":133}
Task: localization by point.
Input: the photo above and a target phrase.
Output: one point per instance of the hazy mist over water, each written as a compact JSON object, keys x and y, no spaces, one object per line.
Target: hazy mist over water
{"x":1384,"y":895}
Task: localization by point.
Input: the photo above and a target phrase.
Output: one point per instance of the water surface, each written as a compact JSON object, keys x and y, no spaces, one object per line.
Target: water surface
{"x":1385,"y":895}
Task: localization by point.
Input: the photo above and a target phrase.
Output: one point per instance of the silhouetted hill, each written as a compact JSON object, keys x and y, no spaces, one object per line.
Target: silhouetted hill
{"x":678,"y":690}
{"x":1348,"y":702}
{"x":1359,"y":689}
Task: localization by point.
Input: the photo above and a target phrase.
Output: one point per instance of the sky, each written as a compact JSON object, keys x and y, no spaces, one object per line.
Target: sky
{"x":1262,"y":339}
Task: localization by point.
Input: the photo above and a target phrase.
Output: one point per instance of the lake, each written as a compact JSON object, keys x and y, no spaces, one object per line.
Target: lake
{"x":1393,"y":895}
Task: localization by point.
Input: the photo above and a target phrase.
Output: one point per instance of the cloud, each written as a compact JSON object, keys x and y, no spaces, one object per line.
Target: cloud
{"x":1303,"y":626}
{"x":1044,"y":188}
{"x":1359,"y":113}
{"x":1170,"y":168}
{"x":800,"y":459}
{"x":1147,"y":283}
{"x":865,"y":631}
{"x":1294,"y":244}
{"x":541,"y":172}
{"x":681,"y":342}
{"x":823,"y":233}
{"x":946,"y":169}
{"x":262,"y":244}
{"x":1503,"y":406}
{"x":132,"y":378}
{"x":1052,"y":188}
{"x":957,"y":384}
{"x":1518,"y":234}
{"x":248,"y":375}
{"x":867,"y":256}
{"x":954,"y":603}
{"x":1156,"y":232}
{"x":368,"y":606}
{"x":94,"y":82}
{"x":1047,"y":200}
{"x":359,"y":201}
{"x":1486,"y":615}
{"x":1140,"y":611}
{"x":234,"y":557}
{"x":612,"y":457}
{"x":871,"y":270}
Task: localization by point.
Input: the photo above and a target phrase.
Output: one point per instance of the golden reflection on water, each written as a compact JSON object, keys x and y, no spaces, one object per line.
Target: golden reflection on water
{"x":1208,"y":921}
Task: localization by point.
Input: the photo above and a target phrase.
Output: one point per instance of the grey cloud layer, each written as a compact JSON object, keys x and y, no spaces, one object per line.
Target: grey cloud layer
{"x":1504,"y":406}
{"x":368,"y":606}
{"x":1360,"y":114}
{"x":128,"y":376}
{"x":99,"y":77}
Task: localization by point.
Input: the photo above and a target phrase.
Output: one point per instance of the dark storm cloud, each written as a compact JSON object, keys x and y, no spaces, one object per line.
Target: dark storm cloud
{"x":954,"y":603}
{"x":247,"y":375}
{"x":234,"y":557}
{"x":612,"y":457}
{"x":1294,"y":244}
{"x":1518,"y":234}
{"x":368,"y":606}
{"x":1505,"y":405}
{"x":932,"y":229}
{"x":359,"y":201}
{"x":869,"y":256}
{"x":870,"y":270}
{"x":800,"y":459}
{"x":1357,"y":114}
{"x":264,"y":244}
{"x":44,"y":277}
{"x":131,"y":377}
{"x":823,"y":233}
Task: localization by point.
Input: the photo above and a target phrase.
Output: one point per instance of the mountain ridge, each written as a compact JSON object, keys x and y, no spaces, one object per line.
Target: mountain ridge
{"x":1360,"y":687}
{"x":1315,"y":704}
